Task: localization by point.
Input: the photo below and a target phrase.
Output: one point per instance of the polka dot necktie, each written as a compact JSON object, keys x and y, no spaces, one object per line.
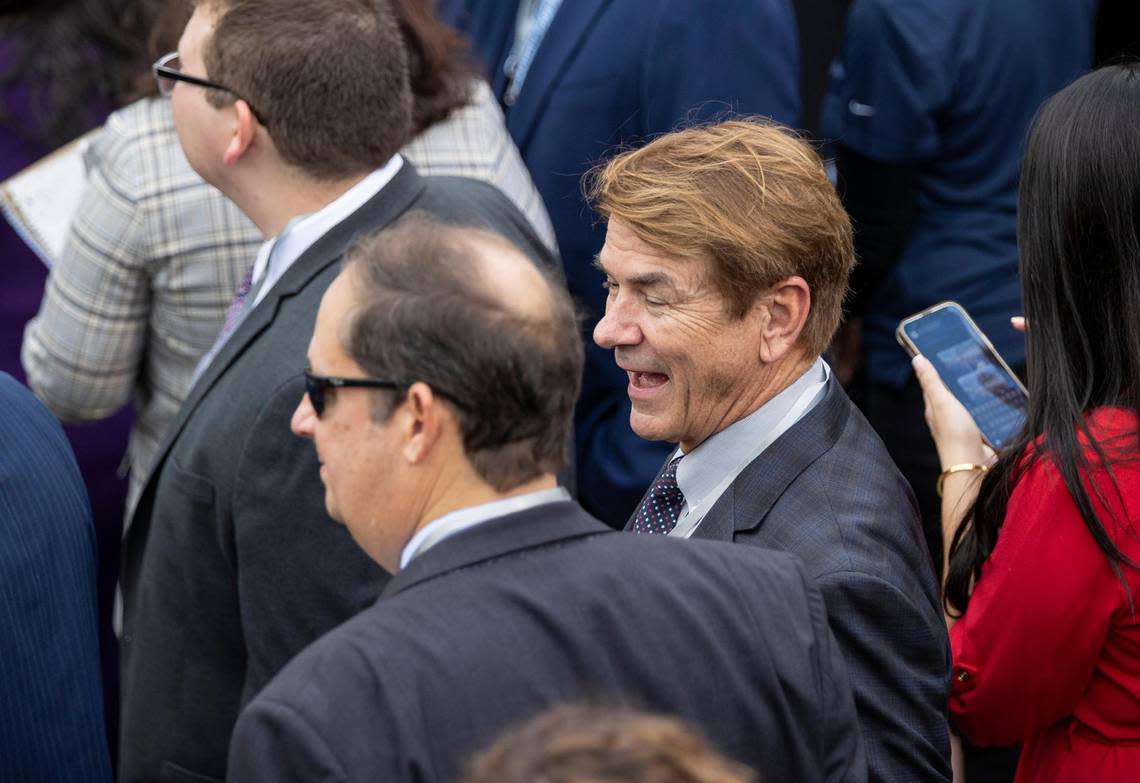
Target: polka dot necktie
{"x":659,"y":511}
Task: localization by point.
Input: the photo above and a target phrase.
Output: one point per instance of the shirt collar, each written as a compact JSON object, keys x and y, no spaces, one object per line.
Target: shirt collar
{"x":706,"y":465}
{"x":304,"y":230}
{"x":457,"y":521}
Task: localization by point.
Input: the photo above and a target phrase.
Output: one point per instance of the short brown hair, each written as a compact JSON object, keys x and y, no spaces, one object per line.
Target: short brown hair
{"x":424,"y":314}
{"x":585,"y":744}
{"x":329,"y":78}
{"x":748,"y":195}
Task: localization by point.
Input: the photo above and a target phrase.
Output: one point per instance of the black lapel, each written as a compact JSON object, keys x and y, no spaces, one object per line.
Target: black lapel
{"x":497,"y":537}
{"x":380,"y":210}
{"x":744,"y":505}
{"x":563,"y":40}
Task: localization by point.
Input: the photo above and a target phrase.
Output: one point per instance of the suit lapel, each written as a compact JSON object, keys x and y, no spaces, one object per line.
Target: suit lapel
{"x":746,"y":503}
{"x":380,"y":210}
{"x":563,"y":40}
{"x":535,"y":527}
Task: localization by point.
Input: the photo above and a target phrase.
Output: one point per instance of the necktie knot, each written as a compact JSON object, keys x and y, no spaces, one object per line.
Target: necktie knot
{"x":661,"y":507}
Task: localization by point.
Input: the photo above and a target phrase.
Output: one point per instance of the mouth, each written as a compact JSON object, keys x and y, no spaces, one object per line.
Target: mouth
{"x":645,"y":384}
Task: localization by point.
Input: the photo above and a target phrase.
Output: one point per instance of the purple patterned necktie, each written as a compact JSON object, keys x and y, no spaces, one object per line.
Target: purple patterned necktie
{"x":239,"y":302}
{"x":659,"y":511}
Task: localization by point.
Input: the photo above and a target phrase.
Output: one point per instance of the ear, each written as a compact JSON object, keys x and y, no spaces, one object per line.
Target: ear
{"x":423,"y":422}
{"x":244,"y":130}
{"x":787,"y":311}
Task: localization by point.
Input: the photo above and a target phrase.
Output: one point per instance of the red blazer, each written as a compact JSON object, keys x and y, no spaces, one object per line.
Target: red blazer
{"x":1048,"y":652}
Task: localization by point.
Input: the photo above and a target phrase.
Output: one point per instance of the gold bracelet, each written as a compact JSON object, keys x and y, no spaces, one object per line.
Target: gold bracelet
{"x":959,"y":468}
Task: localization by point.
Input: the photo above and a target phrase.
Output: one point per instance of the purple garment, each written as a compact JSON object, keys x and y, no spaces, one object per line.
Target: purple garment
{"x":99,"y":446}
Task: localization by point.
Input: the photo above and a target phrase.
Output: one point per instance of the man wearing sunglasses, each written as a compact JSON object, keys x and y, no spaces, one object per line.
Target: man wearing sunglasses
{"x":295,"y":110}
{"x":443,"y":373}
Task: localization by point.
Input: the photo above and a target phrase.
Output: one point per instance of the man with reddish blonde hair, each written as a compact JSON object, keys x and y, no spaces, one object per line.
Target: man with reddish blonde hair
{"x":726,"y":258}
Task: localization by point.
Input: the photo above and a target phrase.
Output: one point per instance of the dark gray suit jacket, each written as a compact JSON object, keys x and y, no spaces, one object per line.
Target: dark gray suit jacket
{"x":536,"y":608}
{"x":231,"y":565}
{"x":826,"y":490}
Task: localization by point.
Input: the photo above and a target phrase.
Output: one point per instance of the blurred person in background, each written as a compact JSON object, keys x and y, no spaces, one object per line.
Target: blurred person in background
{"x":51,"y":706}
{"x":156,"y":254}
{"x":929,"y":104}
{"x":578,"y":743}
{"x":580,"y":80}
{"x":64,"y":64}
{"x":1043,"y":544}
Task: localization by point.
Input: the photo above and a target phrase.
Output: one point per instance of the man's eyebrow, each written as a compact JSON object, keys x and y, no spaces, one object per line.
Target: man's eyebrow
{"x":650,"y":279}
{"x":643,"y":280}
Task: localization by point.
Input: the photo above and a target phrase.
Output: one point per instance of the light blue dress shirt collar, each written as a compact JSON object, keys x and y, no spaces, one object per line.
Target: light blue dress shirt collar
{"x":457,"y":521}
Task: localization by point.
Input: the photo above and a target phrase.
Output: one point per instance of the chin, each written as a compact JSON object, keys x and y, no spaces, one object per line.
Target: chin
{"x":332,"y":511}
{"x":648,"y":427}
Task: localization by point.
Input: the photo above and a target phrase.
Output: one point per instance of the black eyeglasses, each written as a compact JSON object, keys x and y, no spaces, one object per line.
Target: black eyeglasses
{"x":317,"y":385}
{"x":167,"y":72}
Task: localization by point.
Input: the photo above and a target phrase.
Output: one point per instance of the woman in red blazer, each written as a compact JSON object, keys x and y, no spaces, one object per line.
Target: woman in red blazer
{"x":1043,"y":585}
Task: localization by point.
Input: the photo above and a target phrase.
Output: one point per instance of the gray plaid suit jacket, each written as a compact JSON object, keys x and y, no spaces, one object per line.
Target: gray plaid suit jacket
{"x":827,"y":490}
{"x":231,"y":564}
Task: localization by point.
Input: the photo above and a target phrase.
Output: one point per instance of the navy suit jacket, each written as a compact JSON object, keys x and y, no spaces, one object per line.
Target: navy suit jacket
{"x":613,"y":73}
{"x":827,"y":491}
{"x":51,"y":700}
{"x":495,"y":624}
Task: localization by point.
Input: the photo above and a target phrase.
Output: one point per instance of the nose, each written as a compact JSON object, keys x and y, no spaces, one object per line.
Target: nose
{"x":304,"y":419}
{"x":618,"y":326}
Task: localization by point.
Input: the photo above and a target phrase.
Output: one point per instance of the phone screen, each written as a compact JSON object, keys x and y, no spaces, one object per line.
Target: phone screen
{"x":969,"y":368}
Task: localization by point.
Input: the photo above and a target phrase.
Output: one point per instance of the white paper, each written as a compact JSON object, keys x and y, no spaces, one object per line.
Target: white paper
{"x":41,"y":200}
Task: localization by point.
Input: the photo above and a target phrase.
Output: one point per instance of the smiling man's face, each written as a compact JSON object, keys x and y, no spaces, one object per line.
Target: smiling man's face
{"x":693,"y":369}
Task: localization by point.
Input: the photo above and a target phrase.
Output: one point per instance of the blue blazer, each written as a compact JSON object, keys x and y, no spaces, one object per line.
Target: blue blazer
{"x":519,"y":613}
{"x":51,"y":701}
{"x":827,"y":491}
{"x":612,"y":73}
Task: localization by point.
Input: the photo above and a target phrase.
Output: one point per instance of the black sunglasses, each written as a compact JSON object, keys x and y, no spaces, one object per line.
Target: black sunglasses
{"x":167,"y":72}
{"x":317,"y":385}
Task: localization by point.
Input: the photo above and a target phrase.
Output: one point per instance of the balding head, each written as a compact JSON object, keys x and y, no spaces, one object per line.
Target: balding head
{"x":466,"y":312}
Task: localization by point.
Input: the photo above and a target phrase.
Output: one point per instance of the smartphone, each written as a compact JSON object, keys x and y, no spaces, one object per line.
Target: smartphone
{"x":970,"y":367}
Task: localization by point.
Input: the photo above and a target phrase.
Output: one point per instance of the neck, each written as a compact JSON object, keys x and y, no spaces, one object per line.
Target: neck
{"x":274,"y":198}
{"x":464,"y":492}
{"x":774,"y":379}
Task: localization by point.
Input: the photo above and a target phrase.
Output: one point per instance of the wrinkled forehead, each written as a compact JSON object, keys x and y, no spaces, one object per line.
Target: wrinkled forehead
{"x":627,"y":259}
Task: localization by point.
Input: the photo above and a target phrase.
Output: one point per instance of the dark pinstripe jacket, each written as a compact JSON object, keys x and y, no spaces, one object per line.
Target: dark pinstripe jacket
{"x":51,"y":703}
{"x":826,"y":490}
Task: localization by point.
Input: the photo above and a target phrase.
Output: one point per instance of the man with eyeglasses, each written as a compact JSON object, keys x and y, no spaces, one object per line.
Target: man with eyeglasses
{"x":443,"y":371}
{"x":295,"y":110}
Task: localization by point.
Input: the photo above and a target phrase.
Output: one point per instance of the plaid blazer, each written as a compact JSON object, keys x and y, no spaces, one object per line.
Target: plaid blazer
{"x":155,"y":255}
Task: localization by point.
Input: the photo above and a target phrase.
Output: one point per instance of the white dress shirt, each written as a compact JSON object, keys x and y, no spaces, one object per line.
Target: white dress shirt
{"x":457,"y":521}
{"x":278,"y":254}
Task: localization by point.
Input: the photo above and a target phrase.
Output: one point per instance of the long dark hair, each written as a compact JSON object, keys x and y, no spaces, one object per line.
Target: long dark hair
{"x":1079,"y":246}
{"x":439,"y":64}
{"x":78,"y":58}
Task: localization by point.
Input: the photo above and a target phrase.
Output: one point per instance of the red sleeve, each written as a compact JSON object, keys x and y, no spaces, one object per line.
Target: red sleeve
{"x":1025,"y":650}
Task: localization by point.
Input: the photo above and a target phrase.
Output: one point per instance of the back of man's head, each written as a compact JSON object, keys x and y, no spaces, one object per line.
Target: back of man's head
{"x":466,"y":312}
{"x":329,"y":78}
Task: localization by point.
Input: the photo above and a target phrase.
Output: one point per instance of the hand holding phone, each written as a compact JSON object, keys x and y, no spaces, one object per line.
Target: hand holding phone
{"x":972,"y":370}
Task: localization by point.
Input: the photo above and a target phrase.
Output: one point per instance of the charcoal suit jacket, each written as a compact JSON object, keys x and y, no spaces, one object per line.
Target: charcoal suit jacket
{"x":543,"y":606}
{"x":609,"y":75}
{"x":827,"y":491}
{"x":231,"y":564}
